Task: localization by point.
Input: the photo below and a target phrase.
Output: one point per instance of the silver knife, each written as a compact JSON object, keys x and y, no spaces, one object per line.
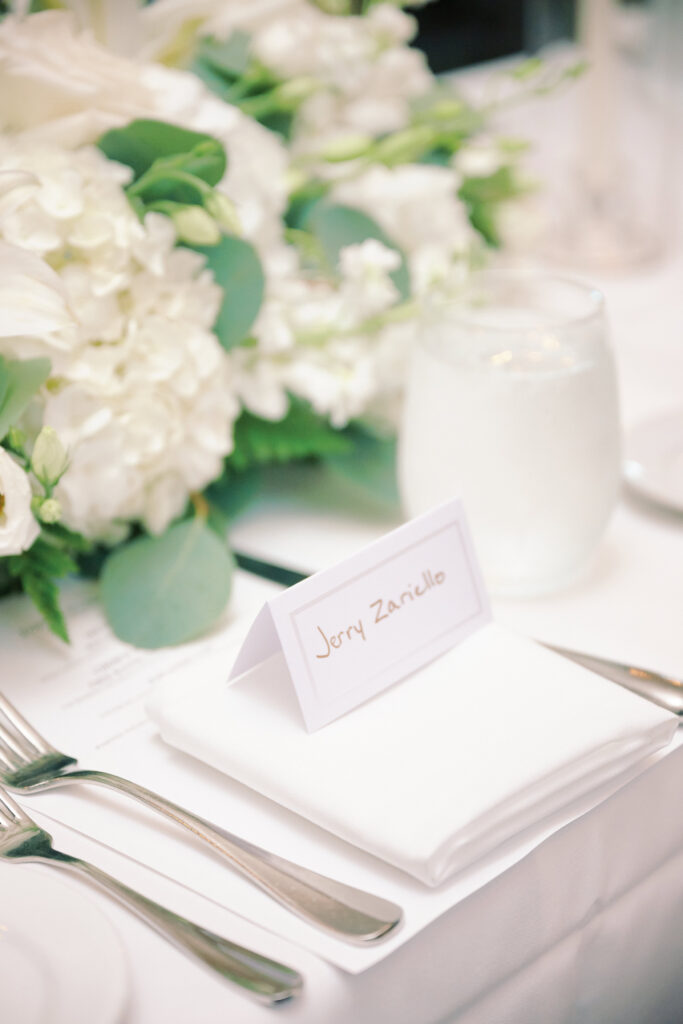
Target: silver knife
{"x":663,"y":690}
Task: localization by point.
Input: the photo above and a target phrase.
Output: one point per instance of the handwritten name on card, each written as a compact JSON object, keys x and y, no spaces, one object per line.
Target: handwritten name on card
{"x":351,"y":631}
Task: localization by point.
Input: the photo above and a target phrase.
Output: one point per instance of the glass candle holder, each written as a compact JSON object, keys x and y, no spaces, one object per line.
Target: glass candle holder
{"x":512,"y":405}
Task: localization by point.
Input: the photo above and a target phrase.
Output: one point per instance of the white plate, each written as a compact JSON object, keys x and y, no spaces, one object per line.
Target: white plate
{"x":654,"y":460}
{"x":61,"y":962}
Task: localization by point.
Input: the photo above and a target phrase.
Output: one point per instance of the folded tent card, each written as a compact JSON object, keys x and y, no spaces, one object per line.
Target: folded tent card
{"x":353,"y":630}
{"x":484,"y":734}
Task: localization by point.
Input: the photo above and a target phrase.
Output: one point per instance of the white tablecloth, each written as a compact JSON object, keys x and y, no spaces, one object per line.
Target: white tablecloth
{"x":586,"y":928}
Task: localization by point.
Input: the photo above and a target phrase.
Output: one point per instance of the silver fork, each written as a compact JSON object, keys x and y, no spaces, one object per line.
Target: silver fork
{"x":268,"y":981}
{"x":29,"y":764}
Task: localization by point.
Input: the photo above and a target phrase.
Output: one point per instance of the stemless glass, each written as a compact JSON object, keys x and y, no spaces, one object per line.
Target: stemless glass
{"x":512,"y":404}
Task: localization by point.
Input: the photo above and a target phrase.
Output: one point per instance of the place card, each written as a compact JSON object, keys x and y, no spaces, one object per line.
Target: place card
{"x":352,"y":630}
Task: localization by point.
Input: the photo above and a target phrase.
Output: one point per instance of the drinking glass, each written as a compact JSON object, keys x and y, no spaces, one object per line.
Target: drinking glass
{"x":512,"y":405}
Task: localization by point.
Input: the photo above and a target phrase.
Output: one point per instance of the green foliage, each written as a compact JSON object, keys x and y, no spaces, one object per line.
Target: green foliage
{"x":482,"y":195}
{"x":36,"y":571}
{"x":228,"y":58}
{"x":174,"y":169}
{"x":227,"y":68}
{"x":147,"y":144}
{"x":237,"y":269}
{"x":234,"y":491}
{"x":19,"y":381}
{"x":303,"y":201}
{"x":335,"y":226}
{"x":301,"y":434}
{"x":158,"y":591}
{"x":369,"y":464}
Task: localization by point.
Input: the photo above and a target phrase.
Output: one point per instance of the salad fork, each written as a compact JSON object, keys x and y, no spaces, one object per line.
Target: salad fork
{"x":22,"y":841}
{"x":29,"y":764}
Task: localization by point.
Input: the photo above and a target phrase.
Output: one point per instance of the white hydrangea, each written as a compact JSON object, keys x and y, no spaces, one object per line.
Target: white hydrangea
{"x":140,"y":389}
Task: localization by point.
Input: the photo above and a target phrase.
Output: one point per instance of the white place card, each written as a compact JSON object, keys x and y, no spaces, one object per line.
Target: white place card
{"x":356,"y":628}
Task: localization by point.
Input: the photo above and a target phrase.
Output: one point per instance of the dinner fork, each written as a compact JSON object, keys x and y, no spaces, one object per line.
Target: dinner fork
{"x":29,"y":764}
{"x":268,"y":981}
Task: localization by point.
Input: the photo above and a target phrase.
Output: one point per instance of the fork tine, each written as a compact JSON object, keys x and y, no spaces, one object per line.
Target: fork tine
{"x":10,"y":750}
{"x":24,"y":728}
{"x":10,"y":813}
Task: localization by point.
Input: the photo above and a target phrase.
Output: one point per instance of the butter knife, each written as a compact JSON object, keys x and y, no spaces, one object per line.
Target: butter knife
{"x":663,"y":690}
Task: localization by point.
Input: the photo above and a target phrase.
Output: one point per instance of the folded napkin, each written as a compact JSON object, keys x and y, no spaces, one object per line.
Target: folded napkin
{"x":437,"y":771}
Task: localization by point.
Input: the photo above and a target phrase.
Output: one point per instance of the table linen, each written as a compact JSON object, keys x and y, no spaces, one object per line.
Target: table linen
{"x":439,"y":770}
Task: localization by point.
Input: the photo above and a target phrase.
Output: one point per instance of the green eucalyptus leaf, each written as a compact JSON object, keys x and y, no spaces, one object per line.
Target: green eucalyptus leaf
{"x":158,"y":591}
{"x":19,"y":381}
{"x":237,"y":269}
{"x":144,"y":142}
{"x":336,"y":226}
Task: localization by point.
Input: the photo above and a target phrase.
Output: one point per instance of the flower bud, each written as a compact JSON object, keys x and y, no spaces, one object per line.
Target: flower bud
{"x":293,"y":92}
{"x":403,"y":146}
{"x":295,"y":179}
{"x":50,"y":511}
{"x":16,"y":439}
{"x":49,"y":458}
{"x":347,"y":147}
{"x":223,"y":211}
{"x":194,"y":225}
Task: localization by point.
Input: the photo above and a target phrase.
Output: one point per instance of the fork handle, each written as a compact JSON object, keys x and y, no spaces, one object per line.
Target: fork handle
{"x":350,"y":913}
{"x":266,"y":980}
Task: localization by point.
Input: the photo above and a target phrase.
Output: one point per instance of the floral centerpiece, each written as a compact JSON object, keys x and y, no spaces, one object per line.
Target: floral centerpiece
{"x":207,"y":268}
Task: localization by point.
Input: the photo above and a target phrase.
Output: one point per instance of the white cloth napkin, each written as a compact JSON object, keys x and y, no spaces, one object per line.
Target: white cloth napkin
{"x":440,"y":769}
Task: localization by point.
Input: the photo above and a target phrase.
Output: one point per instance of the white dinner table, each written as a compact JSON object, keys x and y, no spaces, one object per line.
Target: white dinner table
{"x":586,"y":927}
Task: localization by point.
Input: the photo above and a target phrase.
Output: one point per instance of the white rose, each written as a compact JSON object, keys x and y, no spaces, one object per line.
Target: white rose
{"x":18,"y":528}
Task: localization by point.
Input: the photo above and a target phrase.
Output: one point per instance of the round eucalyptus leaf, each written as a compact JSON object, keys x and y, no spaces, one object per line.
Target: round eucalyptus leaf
{"x":159,"y":591}
{"x":237,"y":269}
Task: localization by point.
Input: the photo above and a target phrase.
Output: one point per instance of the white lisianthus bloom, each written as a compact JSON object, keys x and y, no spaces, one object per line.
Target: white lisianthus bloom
{"x":140,"y":389}
{"x":18,"y":528}
{"x":32,"y":297}
{"x":58,"y":84}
